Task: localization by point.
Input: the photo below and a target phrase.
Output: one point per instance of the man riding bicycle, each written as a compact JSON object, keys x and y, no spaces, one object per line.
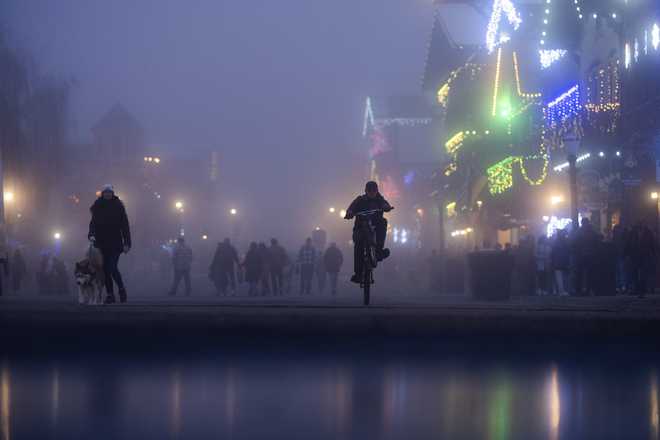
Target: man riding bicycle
{"x":371,"y":200}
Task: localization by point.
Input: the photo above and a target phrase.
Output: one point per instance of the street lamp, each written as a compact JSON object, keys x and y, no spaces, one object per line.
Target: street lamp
{"x":9,"y":196}
{"x":57,"y":235}
{"x":332,"y":210}
{"x":178,"y":205}
{"x":233,"y":211}
{"x":654,"y":195}
{"x":205,"y":237}
{"x":556,"y":199}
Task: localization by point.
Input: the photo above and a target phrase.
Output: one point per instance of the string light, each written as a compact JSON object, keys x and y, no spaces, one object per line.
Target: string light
{"x":497,"y":80}
{"x":368,"y":117}
{"x":550,"y":56}
{"x":565,"y":165}
{"x":443,"y":94}
{"x":564,"y":106}
{"x":500,"y":176}
{"x":516,"y":70}
{"x":454,"y":143}
{"x":492,"y":30}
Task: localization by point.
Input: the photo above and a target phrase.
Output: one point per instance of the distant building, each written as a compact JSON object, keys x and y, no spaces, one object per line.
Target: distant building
{"x":119,"y":137}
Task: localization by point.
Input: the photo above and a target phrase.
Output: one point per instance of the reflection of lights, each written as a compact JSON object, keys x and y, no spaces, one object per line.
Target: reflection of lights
{"x":342,"y":213}
{"x":9,"y":196}
{"x":332,"y":210}
{"x":4,"y":402}
{"x":654,"y":412}
{"x":555,"y":200}
{"x":555,"y":405}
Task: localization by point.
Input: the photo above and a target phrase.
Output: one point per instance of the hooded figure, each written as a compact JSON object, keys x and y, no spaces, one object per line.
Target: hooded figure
{"x":111,"y":234}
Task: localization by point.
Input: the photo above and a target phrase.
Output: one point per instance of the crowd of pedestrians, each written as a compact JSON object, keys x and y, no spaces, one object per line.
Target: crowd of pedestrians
{"x":585,"y":263}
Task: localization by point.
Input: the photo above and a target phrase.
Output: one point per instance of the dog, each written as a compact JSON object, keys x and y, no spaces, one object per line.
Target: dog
{"x":90,"y":278}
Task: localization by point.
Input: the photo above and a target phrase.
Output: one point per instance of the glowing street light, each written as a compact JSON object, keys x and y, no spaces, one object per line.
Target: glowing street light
{"x":9,"y":196}
{"x":420,"y":212}
{"x":57,"y":235}
{"x":233,"y":211}
{"x":342,"y":213}
{"x":654,"y":195}
{"x":205,"y":237}
{"x":332,"y":210}
{"x":178,"y":205}
{"x":557,"y":199}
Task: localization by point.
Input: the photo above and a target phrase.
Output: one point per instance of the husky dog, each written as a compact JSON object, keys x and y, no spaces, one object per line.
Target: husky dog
{"x":90,"y":278}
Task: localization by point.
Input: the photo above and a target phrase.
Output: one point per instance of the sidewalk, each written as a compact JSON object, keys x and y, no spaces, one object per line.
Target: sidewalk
{"x":535,"y":317}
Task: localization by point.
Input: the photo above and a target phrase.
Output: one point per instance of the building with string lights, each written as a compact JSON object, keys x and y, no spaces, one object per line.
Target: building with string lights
{"x":553,"y":80}
{"x":398,"y":133}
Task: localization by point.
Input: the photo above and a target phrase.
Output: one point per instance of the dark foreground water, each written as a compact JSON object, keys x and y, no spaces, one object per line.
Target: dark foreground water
{"x":319,"y":393}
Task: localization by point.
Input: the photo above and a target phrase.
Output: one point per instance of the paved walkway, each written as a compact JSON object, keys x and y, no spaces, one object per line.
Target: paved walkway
{"x":553,"y":317}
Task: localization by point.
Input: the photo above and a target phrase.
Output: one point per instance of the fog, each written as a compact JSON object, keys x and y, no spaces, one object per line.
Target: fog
{"x":276,"y":89}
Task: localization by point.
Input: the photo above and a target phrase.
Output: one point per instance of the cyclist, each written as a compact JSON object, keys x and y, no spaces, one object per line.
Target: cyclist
{"x":370,"y":200}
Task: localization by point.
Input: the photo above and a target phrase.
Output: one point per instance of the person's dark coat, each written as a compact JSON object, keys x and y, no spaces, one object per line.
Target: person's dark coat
{"x":364,"y":203}
{"x":254,"y":265}
{"x":224,"y":259}
{"x":333,"y":259}
{"x":560,"y":254}
{"x":109,"y":224}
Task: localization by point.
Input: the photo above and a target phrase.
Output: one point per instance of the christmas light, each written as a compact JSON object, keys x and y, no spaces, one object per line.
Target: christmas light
{"x":500,"y":176}
{"x":497,"y":80}
{"x":549,"y":57}
{"x":443,"y":94}
{"x":565,"y":106}
{"x":565,"y":165}
{"x":454,"y":143}
{"x":492,"y":30}
{"x":516,"y":71}
{"x":368,"y":117}
{"x":655,"y":36}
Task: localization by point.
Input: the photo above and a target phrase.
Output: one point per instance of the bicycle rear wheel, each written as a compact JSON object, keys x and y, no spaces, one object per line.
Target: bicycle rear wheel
{"x":367,"y":286}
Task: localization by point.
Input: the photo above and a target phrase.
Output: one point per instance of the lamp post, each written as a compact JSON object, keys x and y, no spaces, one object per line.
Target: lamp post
{"x":179,"y":206}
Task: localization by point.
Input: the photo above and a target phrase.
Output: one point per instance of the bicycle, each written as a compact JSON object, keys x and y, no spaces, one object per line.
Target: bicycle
{"x":366,"y":237}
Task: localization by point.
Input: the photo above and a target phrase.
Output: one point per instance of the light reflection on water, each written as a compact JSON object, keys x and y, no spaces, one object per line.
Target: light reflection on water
{"x":338,"y":400}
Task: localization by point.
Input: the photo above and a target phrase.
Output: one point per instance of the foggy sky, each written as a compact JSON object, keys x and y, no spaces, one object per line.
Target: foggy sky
{"x":272,"y":84}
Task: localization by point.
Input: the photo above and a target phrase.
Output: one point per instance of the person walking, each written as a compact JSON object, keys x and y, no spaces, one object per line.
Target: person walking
{"x":182,"y":257}
{"x":265,"y":269}
{"x":560,"y":257}
{"x":277,"y":262}
{"x":542,"y":258}
{"x":643,"y":258}
{"x":306,"y":260}
{"x":585,"y":245}
{"x":333,"y":260}
{"x":109,"y":231}
{"x":253,"y":269}
{"x":18,"y":270}
{"x":222,"y":271}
